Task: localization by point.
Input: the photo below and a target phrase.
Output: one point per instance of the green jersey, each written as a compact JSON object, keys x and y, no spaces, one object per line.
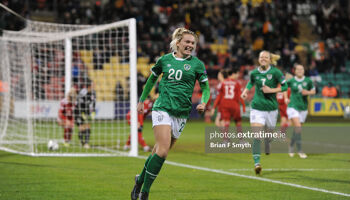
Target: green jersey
{"x":270,"y":77}
{"x":177,"y":84}
{"x":297,"y":100}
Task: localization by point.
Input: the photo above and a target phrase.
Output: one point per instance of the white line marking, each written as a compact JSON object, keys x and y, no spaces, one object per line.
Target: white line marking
{"x":328,"y":145}
{"x":251,"y":177}
{"x":293,"y":169}
{"x":244,"y":176}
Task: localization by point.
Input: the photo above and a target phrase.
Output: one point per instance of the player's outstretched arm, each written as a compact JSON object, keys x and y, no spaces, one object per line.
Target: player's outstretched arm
{"x":205,"y":96}
{"x":244,"y":94}
{"x":151,"y":81}
{"x":249,"y":86}
{"x":286,"y":99}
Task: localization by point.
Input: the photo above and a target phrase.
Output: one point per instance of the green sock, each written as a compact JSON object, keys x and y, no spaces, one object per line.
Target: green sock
{"x":142,"y":175}
{"x":153,"y":168}
{"x":298,"y":141}
{"x":292,"y":141}
{"x":256,"y":151}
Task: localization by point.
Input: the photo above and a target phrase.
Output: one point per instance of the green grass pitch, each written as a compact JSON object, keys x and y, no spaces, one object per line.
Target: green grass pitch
{"x":25,"y":177}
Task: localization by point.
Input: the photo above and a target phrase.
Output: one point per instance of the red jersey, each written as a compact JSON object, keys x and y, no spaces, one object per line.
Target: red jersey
{"x":218,"y":87}
{"x":280,"y":97}
{"x":65,"y":111}
{"x":229,"y":94}
{"x":147,"y":108}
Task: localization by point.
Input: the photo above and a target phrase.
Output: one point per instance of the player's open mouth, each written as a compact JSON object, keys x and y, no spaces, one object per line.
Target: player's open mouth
{"x":188,"y":48}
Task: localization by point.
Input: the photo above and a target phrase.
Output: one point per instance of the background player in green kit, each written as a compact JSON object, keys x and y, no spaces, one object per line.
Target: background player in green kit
{"x":264,"y":106}
{"x":172,"y":108}
{"x":301,"y":88}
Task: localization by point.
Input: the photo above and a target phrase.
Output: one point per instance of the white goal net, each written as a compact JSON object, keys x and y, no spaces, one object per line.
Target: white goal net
{"x":66,"y":89}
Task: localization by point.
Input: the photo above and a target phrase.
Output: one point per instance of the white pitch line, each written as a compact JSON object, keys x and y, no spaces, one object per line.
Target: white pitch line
{"x":251,"y":177}
{"x":294,"y":169}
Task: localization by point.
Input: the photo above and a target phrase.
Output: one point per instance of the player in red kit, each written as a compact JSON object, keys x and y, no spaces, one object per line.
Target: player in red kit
{"x":222,"y":75}
{"x":147,"y":109}
{"x":282,"y":107}
{"x":229,"y":100}
{"x":65,"y":116}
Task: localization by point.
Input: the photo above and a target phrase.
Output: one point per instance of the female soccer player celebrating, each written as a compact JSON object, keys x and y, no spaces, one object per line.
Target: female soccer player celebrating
{"x":170,"y":111}
{"x":301,"y":88}
{"x":264,"y":105}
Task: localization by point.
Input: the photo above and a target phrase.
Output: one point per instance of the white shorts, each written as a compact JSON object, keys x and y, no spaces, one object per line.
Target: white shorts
{"x":163,"y":118}
{"x":268,"y":118}
{"x":292,"y":113}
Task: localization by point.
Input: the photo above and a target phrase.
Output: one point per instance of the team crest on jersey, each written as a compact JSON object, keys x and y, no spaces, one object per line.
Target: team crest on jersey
{"x":304,"y":84}
{"x":269,"y":76}
{"x":187,"y":67}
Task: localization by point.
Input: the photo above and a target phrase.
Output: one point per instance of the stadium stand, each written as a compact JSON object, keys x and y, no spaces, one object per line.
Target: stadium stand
{"x":231,"y":33}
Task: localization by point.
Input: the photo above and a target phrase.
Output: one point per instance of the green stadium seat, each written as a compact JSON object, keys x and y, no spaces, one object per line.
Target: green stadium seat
{"x":323,"y":76}
{"x":347,"y":64}
{"x":345,"y":90}
{"x":338,"y":76}
{"x":331,"y":76}
{"x":337,"y":82}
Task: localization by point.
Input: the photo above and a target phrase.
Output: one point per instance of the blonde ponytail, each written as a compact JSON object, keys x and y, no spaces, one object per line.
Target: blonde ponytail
{"x":274,"y":58}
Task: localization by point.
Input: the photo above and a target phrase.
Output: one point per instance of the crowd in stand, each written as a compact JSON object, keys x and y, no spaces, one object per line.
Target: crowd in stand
{"x":246,"y":27}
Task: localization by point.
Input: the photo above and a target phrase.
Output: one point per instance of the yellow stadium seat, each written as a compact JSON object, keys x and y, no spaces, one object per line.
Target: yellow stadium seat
{"x":90,"y":66}
{"x":98,"y":97}
{"x":143,"y":60}
{"x":219,"y":48}
{"x":86,"y":56}
{"x":144,"y":69}
{"x":124,"y":67}
{"x":107,"y":67}
{"x":114,"y":59}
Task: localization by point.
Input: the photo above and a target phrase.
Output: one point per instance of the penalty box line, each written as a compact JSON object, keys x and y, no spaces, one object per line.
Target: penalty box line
{"x":251,"y":177}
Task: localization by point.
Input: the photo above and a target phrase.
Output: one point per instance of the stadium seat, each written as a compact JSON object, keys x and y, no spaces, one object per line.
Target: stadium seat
{"x":107,"y":67}
{"x":89,"y":66}
{"x":341,"y":76}
{"x":86,"y":56}
{"x":219,"y":48}
{"x":114,"y":59}
{"x":143,"y":60}
{"x":144,"y":69}
{"x":347,"y":65}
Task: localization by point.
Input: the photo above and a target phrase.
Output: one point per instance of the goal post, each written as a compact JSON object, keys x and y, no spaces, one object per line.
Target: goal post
{"x":43,"y":63}
{"x":133,"y":92}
